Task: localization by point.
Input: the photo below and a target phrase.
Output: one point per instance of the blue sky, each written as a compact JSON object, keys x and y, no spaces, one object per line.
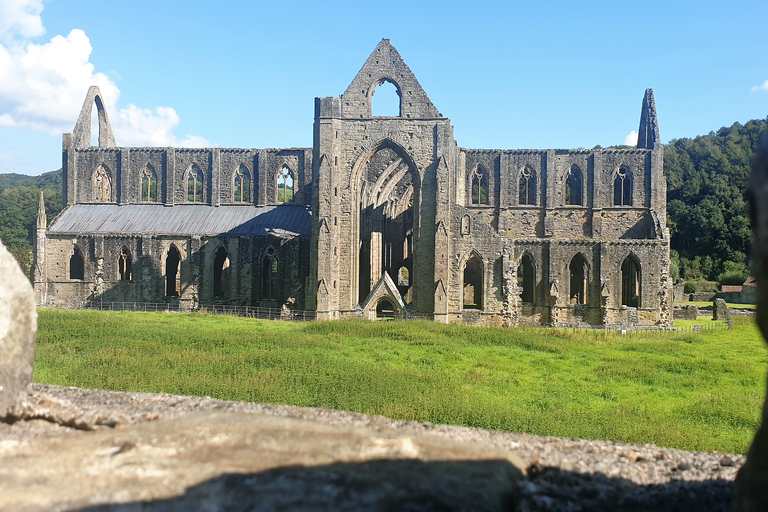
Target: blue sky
{"x":244,"y":74}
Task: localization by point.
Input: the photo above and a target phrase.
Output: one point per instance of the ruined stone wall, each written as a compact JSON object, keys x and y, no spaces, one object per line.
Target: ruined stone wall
{"x":124,"y":167}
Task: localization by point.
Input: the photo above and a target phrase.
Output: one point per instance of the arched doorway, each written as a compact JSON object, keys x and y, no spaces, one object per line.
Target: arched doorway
{"x":631,"y":283}
{"x":388,"y":191}
{"x":526,"y":278}
{"x":579,"y":273}
{"x":385,"y":309}
{"x":172,"y":272}
{"x":473,"y":282}
{"x":221,"y":273}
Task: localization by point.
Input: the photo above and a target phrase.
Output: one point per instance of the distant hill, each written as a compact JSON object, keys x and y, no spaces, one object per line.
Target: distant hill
{"x":46,"y":181}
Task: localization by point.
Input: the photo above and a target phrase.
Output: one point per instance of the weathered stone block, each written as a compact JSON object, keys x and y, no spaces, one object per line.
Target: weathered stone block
{"x":18,"y":328}
{"x":719,"y":310}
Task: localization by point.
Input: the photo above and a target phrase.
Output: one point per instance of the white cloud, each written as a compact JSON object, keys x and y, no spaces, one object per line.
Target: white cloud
{"x":761,"y":87}
{"x":42,"y":86}
{"x":20,"y":17}
{"x":631,"y":139}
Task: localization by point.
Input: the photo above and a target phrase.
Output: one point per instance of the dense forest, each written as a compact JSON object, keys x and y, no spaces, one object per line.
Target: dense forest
{"x":707,"y":212}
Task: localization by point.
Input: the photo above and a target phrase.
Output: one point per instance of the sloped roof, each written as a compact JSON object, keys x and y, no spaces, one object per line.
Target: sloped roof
{"x":731,"y":288}
{"x":185,"y":219}
{"x":751,"y":281}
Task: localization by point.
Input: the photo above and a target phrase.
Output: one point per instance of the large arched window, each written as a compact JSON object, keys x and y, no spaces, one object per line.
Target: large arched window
{"x":221,"y":273}
{"x":148,"y":184}
{"x":195,"y":184}
{"x":270,"y":270}
{"x":172,"y":272}
{"x":579,"y":275}
{"x":285,"y":185}
{"x":76,"y":265}
{"x":631,"y":283}
{"x":241,"y":190}
{"x":574,"y":187}
{"x":622,"y":187}
{"x":526,"y":278}
{"x":473,"y":283}
{"x":480,"y":186}
{"x":102,"y":186}
{"x":385,"y":100}
{"x":124,"y":265}
{"x":527,"y":186}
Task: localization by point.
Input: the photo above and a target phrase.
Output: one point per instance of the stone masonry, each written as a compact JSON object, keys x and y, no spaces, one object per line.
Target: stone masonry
{"x":382,"y":216}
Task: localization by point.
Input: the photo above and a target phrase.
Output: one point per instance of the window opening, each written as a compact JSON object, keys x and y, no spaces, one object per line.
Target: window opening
{"x":479,"y":186}
{"x":466,"y":225}
{"x":102,"y":187}
{"x":385,"y":100}
{"x":269,"y":275}
{"x":172,"y":272}
{"x":578,"y":282}
{"x":195,"y":185}
{"x":473,"y":283}
{"x":622,"y":187}
{"x":148,"y":185}
{"x":527,"y":187}
{"x":285,"y":185}
{"x":526,"y":278}
{"x":574,"y":187}
{"x":631,"y":286}
{"x":221,"y":273}
{"x":124,"y":265}
{"x":403,"y":277}
{"x":76,"y":265}
{"x":242,"y":188}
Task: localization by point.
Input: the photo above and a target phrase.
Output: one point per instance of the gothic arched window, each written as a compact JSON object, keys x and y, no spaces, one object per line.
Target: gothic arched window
{"x":479,"y":186}
{"x":148,"y":185}
{"x":622,"y":187}
{"x":124,"y":265}
{"x":285,"y":185}
{"x":195,"y":185}
{"x":102,"y":186}
{"x":527,"y":186}
{"x":241,"y":191}
{"x":76,"y":265}
{"x":574,"y":187}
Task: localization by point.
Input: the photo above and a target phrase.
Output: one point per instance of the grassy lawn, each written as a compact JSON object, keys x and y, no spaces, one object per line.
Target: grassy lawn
{"x":695,"y":391}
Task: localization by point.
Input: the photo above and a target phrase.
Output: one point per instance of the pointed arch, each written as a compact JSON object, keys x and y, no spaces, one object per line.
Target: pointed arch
{"x":479,"y":189}
{"x":386,"y":186}
{"x":172,"y":272}
{"x":527,"y":186}
{"x":631,"y":281}
{"x":101,"y":185}
{"x":473,"y":272}
{"x":622,"y":186}
{"x":241,"y":185}
{"x":285,"y":185}
{"x":195,"y":184}
{"x":526,"y":277}
{"x":579,"y":279}
{"x":574,"y":186}
{"x":148,"y":184}
{"x":270,"y":272}
{"x":76,"y":265}
{"x":124,"y":265}
{"x":221,"y":273}
{"x":392,"y":100}
{"x":81,"y":135}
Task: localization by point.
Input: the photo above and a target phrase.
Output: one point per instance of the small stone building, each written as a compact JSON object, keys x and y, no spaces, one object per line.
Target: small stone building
{"x":383,"y":215}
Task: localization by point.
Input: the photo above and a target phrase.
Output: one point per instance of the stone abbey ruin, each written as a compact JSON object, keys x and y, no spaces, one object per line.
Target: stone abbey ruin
{"x":382,"y":215}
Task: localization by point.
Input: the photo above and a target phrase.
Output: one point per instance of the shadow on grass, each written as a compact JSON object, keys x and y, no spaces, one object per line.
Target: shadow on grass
{"x":412,"y":485}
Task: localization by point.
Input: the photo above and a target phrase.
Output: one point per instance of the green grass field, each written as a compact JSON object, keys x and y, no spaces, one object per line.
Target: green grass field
{"x":695,"y":391}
